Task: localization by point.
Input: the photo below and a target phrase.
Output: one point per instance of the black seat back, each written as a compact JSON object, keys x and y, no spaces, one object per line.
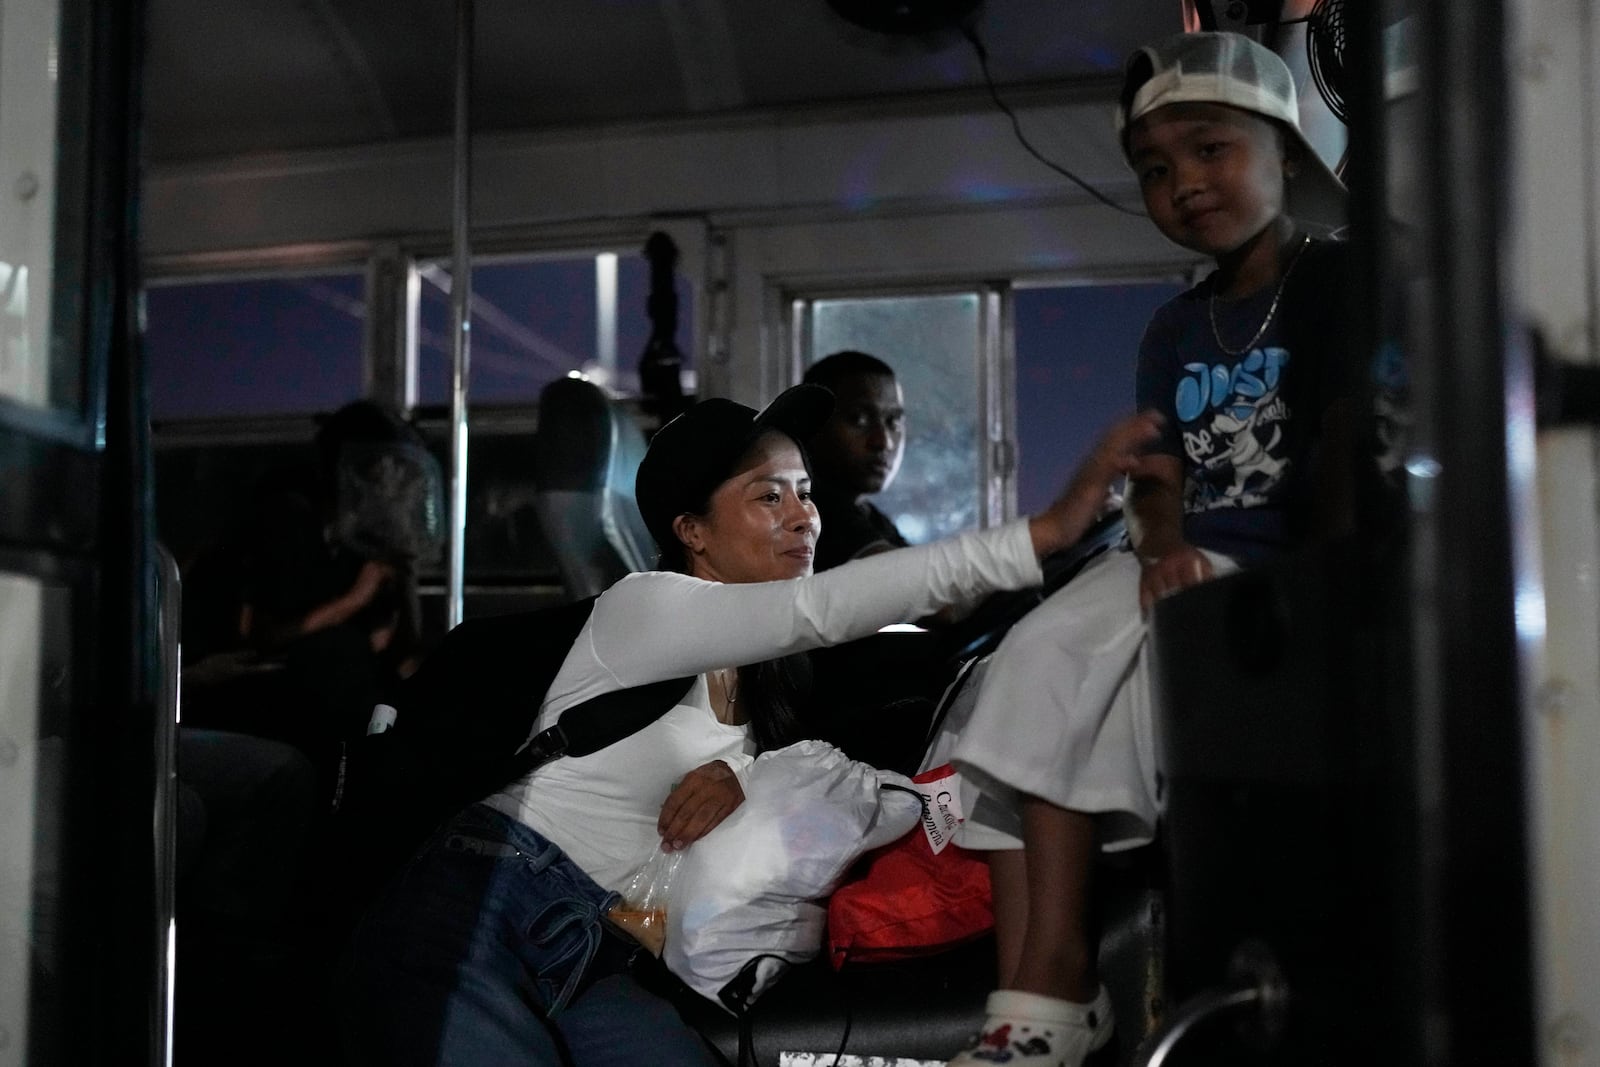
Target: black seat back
{"x":586,"y":455}
{"x":1260,"y":677}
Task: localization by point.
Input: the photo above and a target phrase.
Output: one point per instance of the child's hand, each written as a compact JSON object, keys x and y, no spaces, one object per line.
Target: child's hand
{"x":1118,"y":453}
{"x":1178,"y":569}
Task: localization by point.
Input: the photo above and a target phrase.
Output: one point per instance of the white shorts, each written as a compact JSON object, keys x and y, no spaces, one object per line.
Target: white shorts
{"x":1062,"y":711}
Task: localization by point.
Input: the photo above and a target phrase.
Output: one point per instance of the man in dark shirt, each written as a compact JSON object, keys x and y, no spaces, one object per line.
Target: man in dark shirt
{"x":873,"y":698}
{"x":856,"y":454}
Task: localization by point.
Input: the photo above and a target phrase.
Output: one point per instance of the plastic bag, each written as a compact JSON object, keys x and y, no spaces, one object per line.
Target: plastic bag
{"x":646,"y":900}
{"x":750,"y":891}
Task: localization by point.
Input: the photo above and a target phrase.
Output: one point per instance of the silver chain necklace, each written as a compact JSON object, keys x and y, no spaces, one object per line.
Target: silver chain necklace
{"x":730,"y":690}
{"x":1211,"y":306}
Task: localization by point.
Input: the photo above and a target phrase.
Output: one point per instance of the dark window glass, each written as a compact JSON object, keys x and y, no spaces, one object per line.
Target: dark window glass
{"x":262,"y":346}
{"x":534,"y":321}
{"x":1076,"y":351}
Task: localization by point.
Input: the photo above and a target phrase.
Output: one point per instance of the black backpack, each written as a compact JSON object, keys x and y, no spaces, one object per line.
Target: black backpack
{"x":462,"y":732}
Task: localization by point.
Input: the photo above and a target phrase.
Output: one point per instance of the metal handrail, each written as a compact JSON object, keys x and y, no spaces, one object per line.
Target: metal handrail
{"x":1192,"y":1014}
{"x":1256,"y":981}
{"x":169,"y":596}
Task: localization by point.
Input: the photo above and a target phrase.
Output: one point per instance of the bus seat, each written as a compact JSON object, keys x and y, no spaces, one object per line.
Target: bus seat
{"x":586,"y":453}
{"x":1268,"y":753}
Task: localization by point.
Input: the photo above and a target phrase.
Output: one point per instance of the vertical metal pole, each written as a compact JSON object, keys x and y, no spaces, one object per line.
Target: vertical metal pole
{"x":1469,"y":372}
{"x":461,"y":306}
{"x":605,"y":308}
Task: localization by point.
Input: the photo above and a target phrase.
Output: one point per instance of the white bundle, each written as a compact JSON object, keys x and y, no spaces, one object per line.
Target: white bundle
{"x":757,"y":885}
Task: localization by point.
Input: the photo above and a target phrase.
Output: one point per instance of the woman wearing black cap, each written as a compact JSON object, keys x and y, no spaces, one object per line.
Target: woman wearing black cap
{"x":493,"y":946}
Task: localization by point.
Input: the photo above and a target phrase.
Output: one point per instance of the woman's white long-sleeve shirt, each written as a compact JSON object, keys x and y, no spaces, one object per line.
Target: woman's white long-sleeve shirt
{"x":602,"y":809}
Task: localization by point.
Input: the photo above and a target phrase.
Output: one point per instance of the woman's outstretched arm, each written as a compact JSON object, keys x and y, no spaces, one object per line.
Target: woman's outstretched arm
{"x":657,"y":625}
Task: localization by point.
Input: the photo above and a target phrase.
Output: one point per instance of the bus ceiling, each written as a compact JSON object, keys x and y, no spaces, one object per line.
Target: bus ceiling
{"x":278,"y":77}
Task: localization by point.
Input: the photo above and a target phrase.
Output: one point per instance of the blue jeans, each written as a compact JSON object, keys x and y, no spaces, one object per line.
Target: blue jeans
{"x":492,"y":948}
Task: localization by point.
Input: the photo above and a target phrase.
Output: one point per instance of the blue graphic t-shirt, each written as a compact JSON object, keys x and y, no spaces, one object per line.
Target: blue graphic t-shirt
{"x":1243,"y":424}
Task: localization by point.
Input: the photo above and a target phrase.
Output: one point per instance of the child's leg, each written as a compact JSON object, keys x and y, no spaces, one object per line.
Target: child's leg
{"x":1058,"y":953}
{"x":1049,"y":741}
{"x":1047,"y":721}
{"x":1008,"y":877}
{"x":1041,"y":904}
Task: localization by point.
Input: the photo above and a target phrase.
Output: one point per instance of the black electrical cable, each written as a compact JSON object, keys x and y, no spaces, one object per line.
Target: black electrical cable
{"x":1016,"y":126}
{"x":849,"y":1020}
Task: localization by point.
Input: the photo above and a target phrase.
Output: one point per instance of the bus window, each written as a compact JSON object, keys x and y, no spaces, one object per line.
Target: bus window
{"x":935,"y":345}
{"x":537,"y":319}
{"x":1076,"y":348}
{"x":255,"y":346}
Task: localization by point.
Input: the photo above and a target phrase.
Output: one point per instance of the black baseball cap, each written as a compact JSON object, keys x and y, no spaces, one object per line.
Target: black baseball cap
{"x":697,"y":451}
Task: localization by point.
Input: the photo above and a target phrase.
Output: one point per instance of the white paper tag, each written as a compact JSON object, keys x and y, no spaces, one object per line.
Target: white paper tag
{"x":940,"y":790}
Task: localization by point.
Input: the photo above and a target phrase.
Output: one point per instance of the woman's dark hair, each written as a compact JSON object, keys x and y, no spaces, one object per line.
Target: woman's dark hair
{"x":674,"y":554}
{"x":773,"y":693}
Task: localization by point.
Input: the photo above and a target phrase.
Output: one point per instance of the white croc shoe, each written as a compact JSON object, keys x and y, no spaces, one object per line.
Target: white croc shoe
{"x":1029,"y":1030}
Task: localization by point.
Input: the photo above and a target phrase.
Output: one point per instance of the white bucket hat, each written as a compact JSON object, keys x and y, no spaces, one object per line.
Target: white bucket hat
{"x":1232,"y":69}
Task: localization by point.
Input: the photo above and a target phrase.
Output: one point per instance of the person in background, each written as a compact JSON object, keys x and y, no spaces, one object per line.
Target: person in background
{"x":324,"y":557}
{"x":307,"y":614}
{"x":855,"y":454}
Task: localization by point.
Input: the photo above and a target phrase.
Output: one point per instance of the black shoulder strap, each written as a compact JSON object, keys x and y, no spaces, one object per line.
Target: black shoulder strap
{"x":603,"y":720}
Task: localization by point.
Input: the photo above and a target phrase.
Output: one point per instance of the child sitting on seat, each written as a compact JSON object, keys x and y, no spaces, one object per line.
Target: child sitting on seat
{"x":1059,"y":753}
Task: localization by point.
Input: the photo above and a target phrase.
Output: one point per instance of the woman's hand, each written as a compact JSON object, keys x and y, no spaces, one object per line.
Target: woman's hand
{"x":706,"y":795}
{"x":1176,"y":569}
{"x":1085,"y":499}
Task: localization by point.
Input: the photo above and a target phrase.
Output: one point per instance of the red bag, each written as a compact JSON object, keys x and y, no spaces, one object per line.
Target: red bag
{"x":912,"y":901}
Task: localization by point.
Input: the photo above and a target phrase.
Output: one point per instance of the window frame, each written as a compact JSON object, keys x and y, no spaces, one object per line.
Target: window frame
{"x":389,"y":265}
{"x":997,"y":346}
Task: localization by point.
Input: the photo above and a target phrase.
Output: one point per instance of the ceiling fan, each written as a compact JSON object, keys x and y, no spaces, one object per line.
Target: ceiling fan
{"x":1326,"y":38}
